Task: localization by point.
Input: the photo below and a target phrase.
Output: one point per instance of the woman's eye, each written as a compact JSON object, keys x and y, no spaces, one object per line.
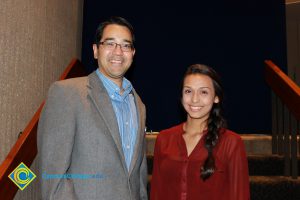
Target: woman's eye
{"x":187,"y":91}
{"x":204,"y":92}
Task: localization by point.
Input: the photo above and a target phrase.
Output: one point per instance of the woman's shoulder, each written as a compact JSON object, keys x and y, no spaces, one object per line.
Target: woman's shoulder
{"x":174,"y":129}
{"x":169,"y":136}
{"x":230,"y":136}
{"x":169,"y":132}
{"x":230,"y":143}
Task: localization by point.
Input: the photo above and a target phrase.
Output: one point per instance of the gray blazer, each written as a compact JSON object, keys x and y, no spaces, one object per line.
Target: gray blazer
{"x":78,"y":136}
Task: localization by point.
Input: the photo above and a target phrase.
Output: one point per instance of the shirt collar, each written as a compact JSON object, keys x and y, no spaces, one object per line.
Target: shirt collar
{"x":113,"y":89}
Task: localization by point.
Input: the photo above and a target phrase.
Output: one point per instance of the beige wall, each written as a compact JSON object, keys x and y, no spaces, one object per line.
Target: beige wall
{"x":38,"y":38}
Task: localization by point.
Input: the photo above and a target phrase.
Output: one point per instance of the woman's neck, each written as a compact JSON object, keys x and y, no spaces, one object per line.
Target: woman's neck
{"x":194,"y":126}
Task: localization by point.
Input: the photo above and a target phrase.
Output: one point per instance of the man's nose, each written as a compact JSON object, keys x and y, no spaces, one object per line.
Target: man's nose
{"x":118,"y":50}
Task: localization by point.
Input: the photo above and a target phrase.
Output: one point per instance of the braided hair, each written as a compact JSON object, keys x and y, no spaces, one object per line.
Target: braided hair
{"x":215,"y":121}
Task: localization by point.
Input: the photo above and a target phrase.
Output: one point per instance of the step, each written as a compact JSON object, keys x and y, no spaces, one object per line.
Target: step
{"x":254,"y":143}
{"x":267,"y":165}
{"x":274,"y":188}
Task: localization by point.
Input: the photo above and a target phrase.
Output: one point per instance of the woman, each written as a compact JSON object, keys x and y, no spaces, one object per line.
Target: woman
{"x":200,"y":158}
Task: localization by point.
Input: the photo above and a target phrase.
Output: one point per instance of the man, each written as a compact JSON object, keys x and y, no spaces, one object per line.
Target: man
{"x":91,"y":132}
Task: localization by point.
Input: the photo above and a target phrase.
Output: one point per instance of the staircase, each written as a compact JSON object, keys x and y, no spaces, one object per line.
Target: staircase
{"x":266,"y":170}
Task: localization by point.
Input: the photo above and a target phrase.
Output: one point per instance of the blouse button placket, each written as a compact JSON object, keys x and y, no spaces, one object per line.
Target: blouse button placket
{"x":184,"y":180}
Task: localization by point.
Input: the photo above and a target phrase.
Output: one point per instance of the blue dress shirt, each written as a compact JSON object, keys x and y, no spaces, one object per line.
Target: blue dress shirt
{"x":126,"y":113}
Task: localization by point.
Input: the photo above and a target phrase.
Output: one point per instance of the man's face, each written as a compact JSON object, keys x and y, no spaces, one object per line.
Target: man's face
{"x":114,"y":62}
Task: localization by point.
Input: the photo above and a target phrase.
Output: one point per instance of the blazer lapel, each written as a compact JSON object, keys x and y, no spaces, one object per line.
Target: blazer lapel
{"x":140,"y":133}
{"x":102,"y":101}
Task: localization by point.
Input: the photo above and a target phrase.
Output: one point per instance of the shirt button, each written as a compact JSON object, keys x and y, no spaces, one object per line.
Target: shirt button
{"x":128,"y":146}
{"x":126,"y":123}
{"x":112,"y":96}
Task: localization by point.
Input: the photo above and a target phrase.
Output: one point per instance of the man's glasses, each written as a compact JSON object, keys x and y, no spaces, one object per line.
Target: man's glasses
{"x":109,"y":45}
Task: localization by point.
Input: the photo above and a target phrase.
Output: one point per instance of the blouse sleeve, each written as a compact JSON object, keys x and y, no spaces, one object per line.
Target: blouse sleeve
{"x":155,"y":181}
{"x":238,"y":173}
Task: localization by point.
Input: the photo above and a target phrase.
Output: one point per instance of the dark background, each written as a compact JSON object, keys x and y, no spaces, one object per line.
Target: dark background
{"x":234,"y":37}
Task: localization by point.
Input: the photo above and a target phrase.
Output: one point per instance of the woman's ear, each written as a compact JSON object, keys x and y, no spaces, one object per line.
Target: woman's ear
{"x":216,"y":100}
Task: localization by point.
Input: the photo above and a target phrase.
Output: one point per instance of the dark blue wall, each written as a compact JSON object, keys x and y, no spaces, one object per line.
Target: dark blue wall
{"x":233,"y":37}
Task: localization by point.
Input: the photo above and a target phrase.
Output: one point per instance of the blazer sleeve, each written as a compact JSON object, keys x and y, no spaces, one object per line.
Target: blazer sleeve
{"x":155,"y":181}
{"x":55,"y":140}
{"x":238,"y":173}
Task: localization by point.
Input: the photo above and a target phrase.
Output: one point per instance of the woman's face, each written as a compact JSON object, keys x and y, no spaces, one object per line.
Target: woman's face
{"x":198,"y":96}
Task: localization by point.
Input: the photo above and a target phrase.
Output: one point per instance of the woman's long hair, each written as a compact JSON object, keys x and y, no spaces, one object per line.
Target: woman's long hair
{"x":215,"y":121}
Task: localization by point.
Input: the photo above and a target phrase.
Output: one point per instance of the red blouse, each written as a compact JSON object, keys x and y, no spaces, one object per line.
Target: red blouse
{"x":176,"y":176}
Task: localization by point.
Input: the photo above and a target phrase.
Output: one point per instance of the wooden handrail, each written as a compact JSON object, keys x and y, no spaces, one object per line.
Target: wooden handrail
{"x":74,"y":69}
{"x":286,"y":113}
{"x":25,"y":148}
{"x":283,"y":87}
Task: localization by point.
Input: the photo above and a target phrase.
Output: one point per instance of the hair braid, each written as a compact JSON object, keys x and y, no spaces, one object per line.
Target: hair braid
{"x":214,"y":124}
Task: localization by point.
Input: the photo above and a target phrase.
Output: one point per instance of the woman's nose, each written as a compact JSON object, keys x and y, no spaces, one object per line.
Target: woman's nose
{"x":195,"y":98}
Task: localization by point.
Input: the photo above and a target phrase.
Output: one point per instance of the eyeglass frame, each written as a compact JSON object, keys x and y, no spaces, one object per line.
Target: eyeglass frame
{"x":107,"y":43}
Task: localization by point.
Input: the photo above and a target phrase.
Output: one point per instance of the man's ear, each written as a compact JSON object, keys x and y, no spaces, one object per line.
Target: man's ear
{"x":95,"y":49}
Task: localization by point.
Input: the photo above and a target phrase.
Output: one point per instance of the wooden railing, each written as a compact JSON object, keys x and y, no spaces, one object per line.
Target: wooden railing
{"x":25,"y":148}
{"x":285,"y":116}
